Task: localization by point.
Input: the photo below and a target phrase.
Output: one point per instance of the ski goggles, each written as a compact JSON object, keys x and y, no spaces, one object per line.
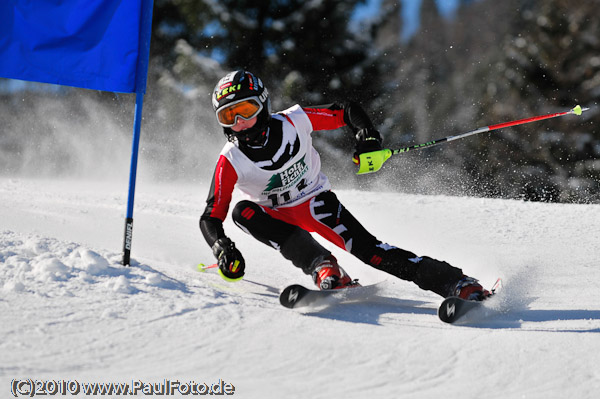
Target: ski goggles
{"x":246,"y":109}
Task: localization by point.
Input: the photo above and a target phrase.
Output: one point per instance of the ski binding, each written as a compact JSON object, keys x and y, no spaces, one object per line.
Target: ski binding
{"x":454,"y":308}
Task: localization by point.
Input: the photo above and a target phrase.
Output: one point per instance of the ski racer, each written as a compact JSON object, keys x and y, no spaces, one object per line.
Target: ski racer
{"x":271,"y":160}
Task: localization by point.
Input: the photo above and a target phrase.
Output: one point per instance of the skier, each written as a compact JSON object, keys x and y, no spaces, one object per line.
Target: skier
{"x":271,"y":159}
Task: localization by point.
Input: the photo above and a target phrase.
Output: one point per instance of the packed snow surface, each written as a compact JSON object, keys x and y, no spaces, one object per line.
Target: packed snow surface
{"x":70,"y":311}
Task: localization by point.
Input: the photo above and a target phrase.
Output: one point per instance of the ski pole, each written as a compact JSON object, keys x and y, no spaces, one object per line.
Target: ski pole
{"x":202,"y":267}
{"x":370,"y":162}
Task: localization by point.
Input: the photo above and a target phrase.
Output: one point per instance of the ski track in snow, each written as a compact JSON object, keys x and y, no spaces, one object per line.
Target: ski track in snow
{"x":69,"y":310}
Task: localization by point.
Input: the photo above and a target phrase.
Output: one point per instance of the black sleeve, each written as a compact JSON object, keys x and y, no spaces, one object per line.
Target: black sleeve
{"x":354,"y":115}
{"x":212,"y":229}
{"x":211,"y":221}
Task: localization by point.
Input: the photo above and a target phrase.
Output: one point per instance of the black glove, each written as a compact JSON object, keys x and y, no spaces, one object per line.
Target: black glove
{"x":230,"y":260}
{"x":367,"y":140}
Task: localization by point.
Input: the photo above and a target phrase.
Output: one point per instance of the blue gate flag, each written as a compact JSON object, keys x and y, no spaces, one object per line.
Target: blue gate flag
{"x":94,"y":44}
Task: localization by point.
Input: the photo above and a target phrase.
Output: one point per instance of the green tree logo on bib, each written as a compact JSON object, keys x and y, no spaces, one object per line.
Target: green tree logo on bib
{"x":287,"y":178}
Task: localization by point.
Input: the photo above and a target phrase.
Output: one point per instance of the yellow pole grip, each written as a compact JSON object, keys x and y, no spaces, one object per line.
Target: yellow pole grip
{"x":370,"y":162}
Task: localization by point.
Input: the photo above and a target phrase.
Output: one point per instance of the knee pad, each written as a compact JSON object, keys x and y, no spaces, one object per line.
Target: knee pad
{"x":245,"y":211}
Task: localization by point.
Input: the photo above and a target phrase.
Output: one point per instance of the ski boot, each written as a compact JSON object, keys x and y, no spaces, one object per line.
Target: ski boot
{"x":469,"y":289}
{"x":328,"y":275}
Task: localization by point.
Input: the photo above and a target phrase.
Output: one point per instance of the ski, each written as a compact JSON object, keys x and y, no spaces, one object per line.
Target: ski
{"x":297,"y":296}
{"x":454,"y":308}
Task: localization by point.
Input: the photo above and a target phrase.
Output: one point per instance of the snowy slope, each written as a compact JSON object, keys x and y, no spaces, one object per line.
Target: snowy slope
{"x":68,"y":310}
